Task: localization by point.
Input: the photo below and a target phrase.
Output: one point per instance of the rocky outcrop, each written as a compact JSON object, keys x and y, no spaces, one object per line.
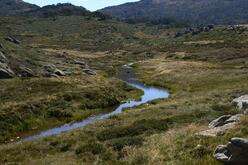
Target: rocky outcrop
{"x":89,"y":71}
{"x":234,"y":153}
{"x":1,"y":46}
{"x":79,"y":62}
{"x":52,"y":71}
{"x":195,"y":31}
{"x":221,"y":125}
{"x":3,"y":59}
{"x":223,"y":120}
{"x":26,"y":72}
{"x":5,"y":70}
{"x":237,"y":28}
{"x":241,"y":102}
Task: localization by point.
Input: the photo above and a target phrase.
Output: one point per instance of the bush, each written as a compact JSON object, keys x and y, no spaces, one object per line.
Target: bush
{"x":119,"y":144}
{"x":92,"y":147}
{"x":137,"y":128}
{"x":200,"y":151}
{"x":65,"y":147}
{"x":221,"y":107}
{"x":59,"y":114}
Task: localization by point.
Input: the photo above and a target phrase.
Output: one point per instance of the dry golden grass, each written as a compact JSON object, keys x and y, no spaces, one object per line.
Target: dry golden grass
{"x":75,"y":53}
{"x":203,"y":42}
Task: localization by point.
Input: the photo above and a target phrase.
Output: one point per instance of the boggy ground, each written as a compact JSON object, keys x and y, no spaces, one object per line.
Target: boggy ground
{"x":160,"y":132}
{"x":29,"y":105}
{"x":203,"y":73}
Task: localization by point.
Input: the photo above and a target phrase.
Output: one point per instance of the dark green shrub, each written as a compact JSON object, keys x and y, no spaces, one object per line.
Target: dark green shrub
{"x":119,"y":144}
{"x":221,"y":107}
{"x":200,"y":151}
{"x":59,"y":114}
{"x":92,"y":147}
{"x":65,"y":147}
{"x":137,"y":128}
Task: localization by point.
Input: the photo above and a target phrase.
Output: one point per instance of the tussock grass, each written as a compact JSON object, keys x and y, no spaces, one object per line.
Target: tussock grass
{"x":203,"y":78}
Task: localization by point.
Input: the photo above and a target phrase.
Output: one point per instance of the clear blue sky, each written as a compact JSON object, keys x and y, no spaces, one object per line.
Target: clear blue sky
{"x":89,"y":4}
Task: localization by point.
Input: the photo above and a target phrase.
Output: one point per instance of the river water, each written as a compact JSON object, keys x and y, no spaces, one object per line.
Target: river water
{"x":127,"y":75}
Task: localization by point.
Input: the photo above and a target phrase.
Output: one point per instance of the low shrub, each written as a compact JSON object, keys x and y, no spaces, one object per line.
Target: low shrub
{"x":137,"y":128}
{"x":92,"y":147}
{"x":119,"y":144}
{"x":59,"y":114}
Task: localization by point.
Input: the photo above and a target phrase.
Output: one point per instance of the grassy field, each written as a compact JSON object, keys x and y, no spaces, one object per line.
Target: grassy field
{"x":203,"y":73}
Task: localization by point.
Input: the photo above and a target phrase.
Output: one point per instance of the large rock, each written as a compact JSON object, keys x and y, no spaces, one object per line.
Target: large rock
{"x":89,"y":71}
{"x":234,"y":153}
{"x":241,"y":102}
{"x":225,"y":119}
{"x":221,"y":125}
{"x":5,"y":71}
{"x":217,"y":131}
{"x":52,"y":71}
{"x":13,"y":40}
{"x":3,"y":59}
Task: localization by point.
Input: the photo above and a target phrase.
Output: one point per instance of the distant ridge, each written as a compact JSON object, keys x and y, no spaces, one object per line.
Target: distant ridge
{"x":21,"y":8}
{"x":193,"y":11}
{"x":15,"y":7}
{"x":65,"y":9}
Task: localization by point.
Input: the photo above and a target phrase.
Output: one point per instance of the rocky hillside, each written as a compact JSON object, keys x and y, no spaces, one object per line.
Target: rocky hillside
{"x":194,"y":11}
{"x":13,"y":7}
{"x":59,"y":10}
{"x":20,"y":8}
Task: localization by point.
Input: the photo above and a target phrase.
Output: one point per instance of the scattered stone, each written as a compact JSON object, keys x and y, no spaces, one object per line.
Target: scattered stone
{"x":211,"y":26}
{"x":52,"y":71}
{"x":178,"y":34}
{"x":241,"y":102}
{"x":206,"y":29}
{"x":89,"y":71}
{"x":59,"y":72}
{"x":221,"y":125}
{"x":195,"y":32}
{"x":5,"y":71}
{"x":237,"y":28}
{"x":26,"y":72}
{"x":13,"y":40}
{"x":235,"y":152}
{"x":79,"y":62}
{"x":50,"y":68}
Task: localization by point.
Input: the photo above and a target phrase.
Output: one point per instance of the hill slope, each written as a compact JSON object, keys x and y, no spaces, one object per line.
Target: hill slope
{"x":20,"y":8}
{"x":59,"y":10}
{"x":195,"y":11}
{"x":13,"y":7}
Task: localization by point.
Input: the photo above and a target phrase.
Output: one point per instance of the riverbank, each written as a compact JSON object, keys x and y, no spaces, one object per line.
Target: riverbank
{"x":44,"y":103}
{"x":127,"y":75}
{"x":166,"y":128}
{"x":203,"y":72}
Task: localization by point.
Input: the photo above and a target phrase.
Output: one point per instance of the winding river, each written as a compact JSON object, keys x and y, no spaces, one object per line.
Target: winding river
{"x":127,"y":75}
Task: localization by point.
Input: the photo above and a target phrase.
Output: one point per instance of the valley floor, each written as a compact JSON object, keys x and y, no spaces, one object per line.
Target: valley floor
{"x":204,"y":73}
